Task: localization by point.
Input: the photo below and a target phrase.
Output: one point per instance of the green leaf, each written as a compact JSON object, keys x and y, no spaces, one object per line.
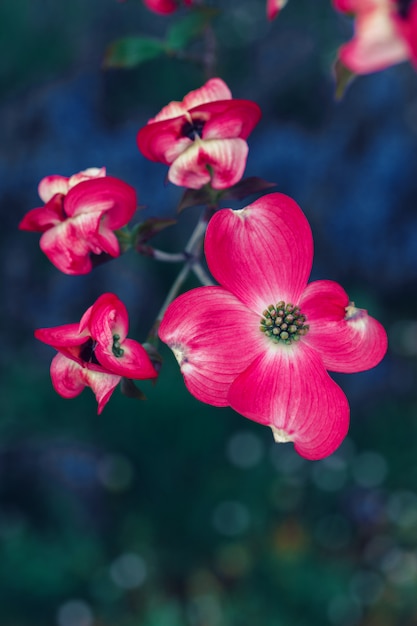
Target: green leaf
{"x":149,"y":228}
{"x":190,"y":27}
{"x":129,"y":389}
{"x":132,"y":51}
{"x":194,"y":197}
{"x":343,"y":77}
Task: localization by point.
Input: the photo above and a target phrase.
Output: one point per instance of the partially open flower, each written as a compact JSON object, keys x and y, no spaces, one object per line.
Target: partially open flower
{"x":96,"y":352}
{"x":79,"y":217}
{"x":164,"y":7}
{"x":385,"y":34}
{"x":263,"y":340}
{"x":202,"y":138}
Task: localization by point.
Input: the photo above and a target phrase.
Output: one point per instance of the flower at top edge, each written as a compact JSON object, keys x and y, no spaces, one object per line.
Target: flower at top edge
{"x":273,"y":7}
{"x":79,"y":217}
{"x":385,"y":34}
{"x":96,"y":352}
{"x":164,"y":7}
{"x":262,"y":341}
{"x":202,"y":138}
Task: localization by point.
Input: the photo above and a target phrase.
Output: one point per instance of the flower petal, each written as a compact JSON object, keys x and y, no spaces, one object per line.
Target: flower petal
{"x":69,"y":379}
{"x":262,"y":253}
{"x":226,"y":119}
{"x":377,"y":44}
{"x":214,"y":89}
{"x":162,"y":141}
{"x":100,"y":195}
{"x":51,"y":185}
{"x":288,"y":389}
{"x":45,"y":217}
{"x":108,"y":317}
{"x":348,"y":339}
{"x":69,"y":244}
{"x":225,"y":157}
{"x":163,"y":7}
{"x":273,"y":7}
{"x":210,"y":333}
{"x":133,"y":363}
{"x":66,"y":335}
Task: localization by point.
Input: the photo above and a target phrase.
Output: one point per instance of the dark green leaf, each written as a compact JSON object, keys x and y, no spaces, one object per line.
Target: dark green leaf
{"x":131,"y":51}
{"x":149,"y":228}
{"x":247,"y":187}
{"x":129,"y":389}
{"x":343,"y":77}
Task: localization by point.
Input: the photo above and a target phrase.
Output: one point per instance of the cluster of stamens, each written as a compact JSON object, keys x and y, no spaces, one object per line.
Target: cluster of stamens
{"x":283,"y":323}
{"x":116,"y":348}
{"x":193,"y":129}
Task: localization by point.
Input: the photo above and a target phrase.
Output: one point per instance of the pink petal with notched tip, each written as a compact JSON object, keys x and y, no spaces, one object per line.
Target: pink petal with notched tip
{"x":347,"y":342}
{"x":162,"y":141}
{"x":288,"y":389}
{"x":213,"y":89}
{"x":262,"y":253}
{"x":226,"y":158}
{"x":45,"y":217}
{"x":214,"y":337}
{"x":108,"y":317}
{"x":69,"y":379}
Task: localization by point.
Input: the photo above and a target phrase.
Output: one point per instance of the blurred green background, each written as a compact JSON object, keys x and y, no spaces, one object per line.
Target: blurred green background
{"x":169,"y":512}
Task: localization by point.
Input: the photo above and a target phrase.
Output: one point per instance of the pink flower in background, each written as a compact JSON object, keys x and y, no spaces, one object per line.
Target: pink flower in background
{"x":79,"y":217}
{"x":164,"y":7}
{"x":96,"y":353}
{"x":261,"y":342}
{"x":385,"y":34}
{"x":202,"y":138}
{"x":273,"y":7}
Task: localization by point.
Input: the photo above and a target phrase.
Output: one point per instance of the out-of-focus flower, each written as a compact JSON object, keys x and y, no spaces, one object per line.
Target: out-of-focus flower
{"x":263,"y":340}
{"x":385,"y":34}
{"x":79,"y":217}
{"x":202,"y":138}
{"x":273,"y":7}
{"x":96,"y":352}
{"x":164,"y":7}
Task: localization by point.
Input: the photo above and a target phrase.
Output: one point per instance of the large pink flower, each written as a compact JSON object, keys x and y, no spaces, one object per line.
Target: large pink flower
{"x":273,"y":7}
{"x":79,"y":217}
{"x":96,"y":352}
{"x":385,"y":34}
{"x":164,"y":7}
{"x":261,"y":342}
{"x":202,"y":138}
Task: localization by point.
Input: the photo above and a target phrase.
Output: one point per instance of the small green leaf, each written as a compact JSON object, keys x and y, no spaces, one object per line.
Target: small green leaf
{"x":194,"y":197}
{"x":190,"y":27}
{"x":149,"y":228}
{"x":132,"y":51}
{"x":343,"y":77}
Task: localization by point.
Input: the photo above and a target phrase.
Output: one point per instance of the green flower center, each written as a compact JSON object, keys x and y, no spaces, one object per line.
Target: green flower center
{"x":283,"y":323}
{"x":116,"y":349}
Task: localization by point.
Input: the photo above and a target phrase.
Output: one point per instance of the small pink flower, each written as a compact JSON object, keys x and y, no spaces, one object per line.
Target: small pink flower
{"x":202,"y":138}
{"x":79,"y":217}
{"x":96,"y":352}
{"x":164,"y":7}
{"x":385,"y":34}
{"x":273,"y":7}
{"x":261,"y":342}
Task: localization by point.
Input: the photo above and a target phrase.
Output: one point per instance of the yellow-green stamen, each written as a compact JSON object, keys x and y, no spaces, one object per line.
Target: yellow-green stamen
{"x":283,"y":323}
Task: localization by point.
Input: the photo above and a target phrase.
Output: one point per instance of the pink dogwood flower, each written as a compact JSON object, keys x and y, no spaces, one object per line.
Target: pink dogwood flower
{"x":79,"y":217}
{"x":164,"y":7}
{"x":385,"y":34}
{"x":202,"y":138}
{"x":96,"y":352}
{"x":273,"y":7}
{"x":263,"y":340}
